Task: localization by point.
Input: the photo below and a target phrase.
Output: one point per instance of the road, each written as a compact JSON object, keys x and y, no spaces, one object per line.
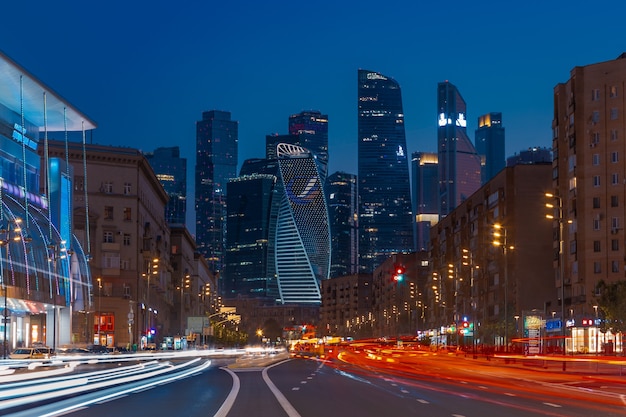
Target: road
{"x":364,"y":384}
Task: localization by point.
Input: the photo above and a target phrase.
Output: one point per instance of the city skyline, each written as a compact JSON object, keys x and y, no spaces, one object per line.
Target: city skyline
{"x":127,"y":78}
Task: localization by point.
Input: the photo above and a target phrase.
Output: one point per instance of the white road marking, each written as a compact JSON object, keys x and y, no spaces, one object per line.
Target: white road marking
{"x":422,"y":401}
{"x":553,"y":405}
{"x":291,"y":412}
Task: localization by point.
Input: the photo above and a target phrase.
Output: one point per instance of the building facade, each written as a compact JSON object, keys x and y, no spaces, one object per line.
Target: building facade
{"x":385,"y":217}
{"x":425,"y":196}
{"x":346,"y":309}
{"x":589,"y":161}
{"x":341,"y":195}
{"x":473,"y":280}
{"x":171,"y":170}
{"x":459,"y":163}
{"x":299,"y":232}
{"x":216,"y":163}
{"x":489,"y":143}
{"x":535,"y":155}
{"x":46,"y":283}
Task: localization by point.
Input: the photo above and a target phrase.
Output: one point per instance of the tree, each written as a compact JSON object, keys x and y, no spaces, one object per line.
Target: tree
{"x":611,"y":299}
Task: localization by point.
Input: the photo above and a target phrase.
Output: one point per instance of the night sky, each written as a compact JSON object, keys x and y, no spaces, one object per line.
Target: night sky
{"x":145,"y":71}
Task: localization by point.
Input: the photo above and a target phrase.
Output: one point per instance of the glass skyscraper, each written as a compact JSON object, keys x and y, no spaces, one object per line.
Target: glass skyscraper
{"x":489,"y":142}
{"x":299,"y":232}
{"x":216,"y":163}
{"x":341,"y":196}
{"x":425,"y":175}
{"x":171,"y":170}
{"x":459,"y":163}
{"x":385,"y":219}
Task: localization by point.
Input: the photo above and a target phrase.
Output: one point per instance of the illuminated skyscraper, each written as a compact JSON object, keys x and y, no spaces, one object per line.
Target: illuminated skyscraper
{"x":171,"y":170}
{"x":385,"y":219}
{"x":341,"y":196}
{"x":299,"y":232}
{"x":216,"y":163}
{"x":425,"y":193}
{"x":489,"y":142}
{"x":459,"y":163}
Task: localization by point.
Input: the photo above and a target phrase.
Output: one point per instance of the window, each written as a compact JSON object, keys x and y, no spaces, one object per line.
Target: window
{"x":79,"y":183}
{"x":615,"y":245}
{"x":108,"y":212}
{"x":107,"y":187}
{"x":595,"y":159}
{"x":596,"y":224}
{"x":614,"y":134}
{"x":596,"y":246}
{"x":111,"y":260}
{"x":614,"y":179}
{"x":615,"y":223}
{"x":595,"y":138}
{"x":595,"y":94}
{"x":596,"y":202}
{"x":108,"y":237}
{"x":125,"y":264}
{"x":595,"y":116}
{"x":614,"y":201}
{"x":126,"y":291}
{"x":596,"y":180}
{"x":126,"y":239}
{"x":614,"y":113}
{"x":596,"y":268}
{"x":614,"y":157}
{"x":127,"y":214}
{"x":613,"y":91}
{"x":614,"y":266}
{"x":127,"y":188}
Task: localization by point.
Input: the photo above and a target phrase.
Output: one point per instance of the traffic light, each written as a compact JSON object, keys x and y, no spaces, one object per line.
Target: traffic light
{"x":398,"y":273}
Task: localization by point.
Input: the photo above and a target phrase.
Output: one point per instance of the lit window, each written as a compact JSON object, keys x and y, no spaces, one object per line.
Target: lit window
{"x":613,"y":91}
{"x":127,"y":214}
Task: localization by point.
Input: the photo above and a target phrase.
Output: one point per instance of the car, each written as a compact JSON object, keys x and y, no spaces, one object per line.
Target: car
{"x":30,"y":353}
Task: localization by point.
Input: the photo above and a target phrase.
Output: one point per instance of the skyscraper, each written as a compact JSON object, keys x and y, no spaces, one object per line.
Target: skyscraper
{"x":341,"y":196}
{"x":385,"y":218}
{"x":459,"y":164}
{"x":171,"y":170}
{"x":312,"y":128}
{"x":425,"y":194}
{"x":216,"y":163}
{"x":299,"y":234}
{"x":489,"y":142}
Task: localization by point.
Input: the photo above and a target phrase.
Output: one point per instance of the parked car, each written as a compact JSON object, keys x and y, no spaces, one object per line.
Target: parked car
{"x":30,"y":353}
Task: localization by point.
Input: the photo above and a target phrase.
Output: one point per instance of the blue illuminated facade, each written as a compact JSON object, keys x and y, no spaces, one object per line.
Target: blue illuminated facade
{"x":171,"y":170}
{"x":459,"y":163}
{"x":489,"y":143}
{"x":385,"y":217}
{"x":341,"y":196}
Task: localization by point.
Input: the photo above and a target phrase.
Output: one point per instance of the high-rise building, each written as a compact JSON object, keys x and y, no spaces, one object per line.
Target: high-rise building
{"x":425,"y":194}
{"x":385,"y":218}
{"x":171,"y":170}
{"x":459,"y":164}
{"x":312,"y":128}
{"x":249,"y":206}
{"x":299,"y":232}
{"x":589,"y":130}
{"x":341,"y":196}
{"x":216,"y":163}
{"x":489,"y":143}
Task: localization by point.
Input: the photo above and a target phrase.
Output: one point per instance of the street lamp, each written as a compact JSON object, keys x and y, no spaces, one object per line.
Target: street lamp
{"x":99,"y":307}
{"x":500,"y":236}
{"x":558,"y":216}
{"x":5,"y":239}
{"x":152,"y":269}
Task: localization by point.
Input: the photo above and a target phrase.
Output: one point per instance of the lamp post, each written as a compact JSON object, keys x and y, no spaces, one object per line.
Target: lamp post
{"x":5,"y":239}
{"x":557,"y":215}
{"x":152,"y":269}
{"x":595,"y":309}
{"x":501,"y":240}
{"x":99,"y":307}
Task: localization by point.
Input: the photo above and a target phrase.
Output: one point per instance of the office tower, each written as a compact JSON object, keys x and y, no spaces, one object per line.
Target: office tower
{"x":385,"y":218}
{"x":425,"y":194}
{"x":312,"y":128}
{"x":589,"y":130}
{"x":531,"y":156}
{"x":489,"y":142}
{"x":272,"y":141}
{"x":459,"y":164}
{"x":249,"y":206}
{"x":216,"y":163}
{"x":299,"y":233}
{"x":171,"y":170}
{"x":341,"y":196}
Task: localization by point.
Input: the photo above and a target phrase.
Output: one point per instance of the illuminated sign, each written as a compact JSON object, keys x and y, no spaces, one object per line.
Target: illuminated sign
{"x":460,"y":121}
{"x":400,"y":151}
{"x":308,"y":194}
{"x":375,"y":76}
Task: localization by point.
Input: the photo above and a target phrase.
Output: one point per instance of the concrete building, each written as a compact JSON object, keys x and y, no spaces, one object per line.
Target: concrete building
{"x":589,"y":132}
{"x":484,"y":285}
{"x":347,"y":306}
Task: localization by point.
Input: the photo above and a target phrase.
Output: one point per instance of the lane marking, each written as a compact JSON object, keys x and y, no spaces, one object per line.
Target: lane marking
{"x":230,"y":400}
{"x":291,"y":412}
{"x":422,"y":401}
{"x":553,"y":405}
{"x":295,"y":389}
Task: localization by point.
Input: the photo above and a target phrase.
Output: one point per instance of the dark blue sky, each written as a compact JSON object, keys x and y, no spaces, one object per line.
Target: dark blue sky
{"x":145,"y":71}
